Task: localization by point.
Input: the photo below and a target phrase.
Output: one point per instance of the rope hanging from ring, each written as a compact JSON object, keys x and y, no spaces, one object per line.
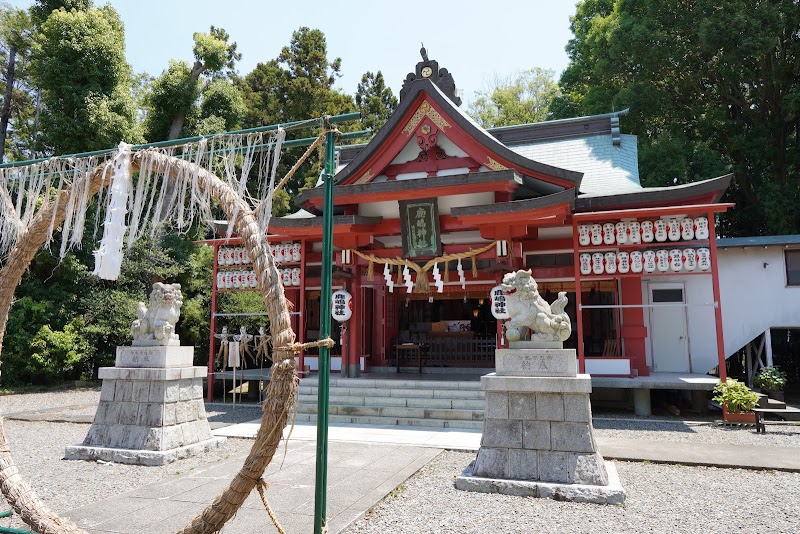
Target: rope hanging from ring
{"x":421,"y":285}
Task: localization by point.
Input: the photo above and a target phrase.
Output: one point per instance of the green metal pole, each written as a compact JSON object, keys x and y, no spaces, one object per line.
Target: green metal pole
{"x":323,"y":389}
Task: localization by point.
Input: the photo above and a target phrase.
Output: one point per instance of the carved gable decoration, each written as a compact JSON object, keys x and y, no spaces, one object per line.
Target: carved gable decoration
{"x":419,"y":224}
{"x":429,"y":69}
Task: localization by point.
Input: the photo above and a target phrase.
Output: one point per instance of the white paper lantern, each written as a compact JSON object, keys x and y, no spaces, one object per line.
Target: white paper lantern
{"x":687,"y":229}
{"x":636,"y":261}
{"x":296,"y":252}
{"x":647,"y":231}
{"x":296,"y":276}
{"x":662,"y":260}
{"x":583,"y":235}
{"x":649,"y":261}
{"x":608,"y":234}
{"x":690,"y":259}
{"x":621,"y":233}
{"x":701,"y":228}
{"x":674,"y":229}
{"x":634,"y":232}
{"x":703,"y":259}
{"x":586,"y":263}
{"x":610,"y":261}
{"x":660,"y":228}
{"x":623,"y":262}
{"x":676,"y":259}
{"x":498,"y":303}
{"x":596,"y":234}
{"x":597,"y":263}
{"x":341,"y":305}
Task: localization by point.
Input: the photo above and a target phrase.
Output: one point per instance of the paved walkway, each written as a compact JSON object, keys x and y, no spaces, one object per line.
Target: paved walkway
{"x":359,"y":475}
{"x":719,"y":455}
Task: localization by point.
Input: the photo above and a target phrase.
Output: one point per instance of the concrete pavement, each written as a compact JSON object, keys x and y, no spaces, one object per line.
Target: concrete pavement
{"x":359,"y":475}
{"x":711,"y":454}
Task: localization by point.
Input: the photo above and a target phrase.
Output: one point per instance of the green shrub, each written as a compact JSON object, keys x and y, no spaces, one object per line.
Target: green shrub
{"x":770,"y":379}
{"x":58,"y":354}
{"x":735,"y":396}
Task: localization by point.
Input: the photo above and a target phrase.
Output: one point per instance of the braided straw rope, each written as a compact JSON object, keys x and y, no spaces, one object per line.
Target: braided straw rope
{"x":282,"y":390}
{"x":421,"y":285}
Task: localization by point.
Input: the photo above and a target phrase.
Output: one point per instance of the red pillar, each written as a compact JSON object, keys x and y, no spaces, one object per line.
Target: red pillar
{"x":354,"y":328}
{"x":301,"y":306}
{"x":210,"y":375}
{"x":578,"y":311}
{"x":633,"y":330}
{"x":712,"y":246}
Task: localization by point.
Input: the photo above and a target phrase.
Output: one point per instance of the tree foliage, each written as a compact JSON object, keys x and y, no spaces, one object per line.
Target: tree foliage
{"x":79,"y":63}
{"x":297,"y":85}
{"x":16,"y":39}
{"x":712,"y":88}
{"x":519,"y":99}
{"x":202,"y":98}
{"x":375,"y":101}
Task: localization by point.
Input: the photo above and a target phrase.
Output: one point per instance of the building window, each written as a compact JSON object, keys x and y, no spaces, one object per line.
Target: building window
{"x":792,"y":267}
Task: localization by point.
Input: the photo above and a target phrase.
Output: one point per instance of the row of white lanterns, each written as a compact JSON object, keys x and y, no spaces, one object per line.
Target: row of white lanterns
{"x":236,"y":279}
{"x":634,"y":232}
{"x":649,"y":261}
{"x":230,"y":279}
{"x":287,"y":252}
{"x":281,"y":253}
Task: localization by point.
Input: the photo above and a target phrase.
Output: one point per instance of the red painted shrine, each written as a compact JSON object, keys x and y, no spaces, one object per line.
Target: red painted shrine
{"x":433,"y":211}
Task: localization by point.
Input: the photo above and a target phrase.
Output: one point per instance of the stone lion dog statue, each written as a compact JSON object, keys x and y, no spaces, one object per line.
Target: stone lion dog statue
{"x":155,"y":323}
{"x":528,"y":310}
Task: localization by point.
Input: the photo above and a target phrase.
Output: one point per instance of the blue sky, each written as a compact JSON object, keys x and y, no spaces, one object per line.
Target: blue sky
{"x":474,"y":40}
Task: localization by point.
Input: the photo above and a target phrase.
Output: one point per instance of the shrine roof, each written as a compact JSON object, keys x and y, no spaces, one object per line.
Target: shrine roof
{"x":465,"y":123}
{"x":705,"y":191}
{"x":758,"y":241}
{"x":566,"y":197}
{"x":482,"y":181}
{"x":606,"y":166}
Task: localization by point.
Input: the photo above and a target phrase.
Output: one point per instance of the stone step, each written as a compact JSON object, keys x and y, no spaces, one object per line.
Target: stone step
{"x":405,"y":393}
{"x":412,"y":402}
{"x":396,"y":411}
{"x":395,"y":383}
{"x":396,"y":421}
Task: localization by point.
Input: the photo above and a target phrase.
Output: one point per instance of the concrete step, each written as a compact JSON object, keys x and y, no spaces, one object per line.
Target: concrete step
{"x":396,"y":421}
{"x":395,"y":383}
{"x":389,"y":391}
{"x":396,"y":411}
{"x":424,"y":403}
{"x":411,"y":402}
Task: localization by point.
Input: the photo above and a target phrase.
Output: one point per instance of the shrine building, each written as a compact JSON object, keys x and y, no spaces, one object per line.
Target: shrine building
{"x":434,"y":210}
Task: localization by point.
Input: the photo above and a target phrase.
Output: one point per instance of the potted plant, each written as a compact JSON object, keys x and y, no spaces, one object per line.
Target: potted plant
{"x":737,"y":401}
{"x":771,"y":381}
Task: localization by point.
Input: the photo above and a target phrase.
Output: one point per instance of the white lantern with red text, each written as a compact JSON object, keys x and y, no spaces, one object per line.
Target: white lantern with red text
{"x":341,"y":305}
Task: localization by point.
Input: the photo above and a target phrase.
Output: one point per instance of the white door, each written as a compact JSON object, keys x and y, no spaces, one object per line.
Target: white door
{"x":668,"y":340}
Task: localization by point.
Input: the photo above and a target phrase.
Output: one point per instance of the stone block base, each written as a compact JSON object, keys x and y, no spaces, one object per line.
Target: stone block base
{"x":148,"y":415}
{"x":611,"y":493}
{"x":140,"y":457}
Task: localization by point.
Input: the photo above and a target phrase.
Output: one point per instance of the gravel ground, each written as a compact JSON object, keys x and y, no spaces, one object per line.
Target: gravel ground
{"x":38,"y":449}
{"x":778,"y":435}
{"x":661,"y":498}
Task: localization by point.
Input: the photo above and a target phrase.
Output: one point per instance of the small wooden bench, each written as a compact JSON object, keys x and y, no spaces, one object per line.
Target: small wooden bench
{"x":760,"y":427}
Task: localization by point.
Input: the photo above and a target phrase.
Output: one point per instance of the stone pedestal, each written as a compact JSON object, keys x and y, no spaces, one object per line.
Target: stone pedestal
{"x":151,"y":409}
{"x":538,"y":439}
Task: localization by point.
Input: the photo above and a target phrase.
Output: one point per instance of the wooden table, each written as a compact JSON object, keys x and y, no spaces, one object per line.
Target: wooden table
{"x":408,"y":349}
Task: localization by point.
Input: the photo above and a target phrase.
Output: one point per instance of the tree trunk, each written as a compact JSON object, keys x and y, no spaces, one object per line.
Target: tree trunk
{"x":177,"y":123}
{"x":177,"y":126}
{"x":5,"y":114}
